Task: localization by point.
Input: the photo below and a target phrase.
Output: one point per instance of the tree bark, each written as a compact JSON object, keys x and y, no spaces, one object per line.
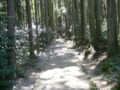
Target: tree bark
{"x":11,"y":36}
{"x":118,"y":17}
{"x":112,"y":28}
{"x":83,"y":21}
{"x":98,"y":21}
{"x":31,"y":47}
{"x":51,"y":14}
{"x":47,"y":20}
{"x":36,"y":19}
{"x":11,"y":32}
{"x":93,"y":37}
{"x":18,"y":9}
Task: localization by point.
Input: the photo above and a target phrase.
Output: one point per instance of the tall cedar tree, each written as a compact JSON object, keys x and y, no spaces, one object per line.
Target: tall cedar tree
{"x":28,"y":10}
{"x":112,"y":28}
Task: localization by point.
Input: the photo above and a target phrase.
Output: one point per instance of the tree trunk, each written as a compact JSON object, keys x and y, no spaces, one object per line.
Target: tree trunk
{"x":42,"y":14}
{"x":118,"y":17}
{"x":11,"y":32}
{"x":112,"y":28}
{"x":76,"y":12}
{"x":19,"y":13}
{"x":98,"y":21}
{"x":51,"y":14}
{"x":60,"y":20}
{"x":11,"y":35}
{"x":93,"y":37}
{"x":83,"y":21}
{"x":36,"y":18}
{"x":31,"y":47}
{"x":46,"y":20}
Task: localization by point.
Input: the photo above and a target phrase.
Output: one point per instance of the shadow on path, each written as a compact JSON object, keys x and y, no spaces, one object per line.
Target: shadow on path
{"x":62,"y":72}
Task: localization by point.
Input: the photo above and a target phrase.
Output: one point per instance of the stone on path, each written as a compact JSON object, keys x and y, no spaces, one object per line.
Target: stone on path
{"x":62,"y":71}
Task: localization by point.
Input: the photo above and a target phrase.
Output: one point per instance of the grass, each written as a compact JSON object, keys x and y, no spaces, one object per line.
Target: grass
{"x":93,"y":86}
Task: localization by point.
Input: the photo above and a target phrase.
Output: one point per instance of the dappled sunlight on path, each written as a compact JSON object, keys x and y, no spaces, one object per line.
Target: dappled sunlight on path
{"x":62,"y":72}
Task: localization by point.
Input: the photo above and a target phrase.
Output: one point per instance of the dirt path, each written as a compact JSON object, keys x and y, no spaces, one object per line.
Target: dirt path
{"x":62,"y":72}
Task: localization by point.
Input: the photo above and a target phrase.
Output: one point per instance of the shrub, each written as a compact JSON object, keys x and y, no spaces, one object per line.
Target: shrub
{"x":5,"y":71}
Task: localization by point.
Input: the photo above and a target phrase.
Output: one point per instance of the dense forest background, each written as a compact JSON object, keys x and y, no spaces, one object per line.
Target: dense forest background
{"x":28,"y":26}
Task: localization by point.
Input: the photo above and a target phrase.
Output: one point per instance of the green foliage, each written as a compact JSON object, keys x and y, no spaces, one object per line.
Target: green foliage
{"x":93,"y":86}
{"x":3,"y":18}
{"x":6,"y":84}
{"x":22,"y":47}
{"x":3,"y":15}
{"x":116,"y":87}
{"x":18,"y":23}
{"x":43,"y":38}
{"x":20,"y":72}
{"x":77,"y":37}
{"x":77,"y":32}
{"x":110,"y":65}
{"x":102,"y":39}
{"x":5,"y":71}
{"x":118,"y":78}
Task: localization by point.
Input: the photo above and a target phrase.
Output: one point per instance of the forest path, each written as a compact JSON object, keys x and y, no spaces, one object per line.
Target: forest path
{"x":62,"y":71}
